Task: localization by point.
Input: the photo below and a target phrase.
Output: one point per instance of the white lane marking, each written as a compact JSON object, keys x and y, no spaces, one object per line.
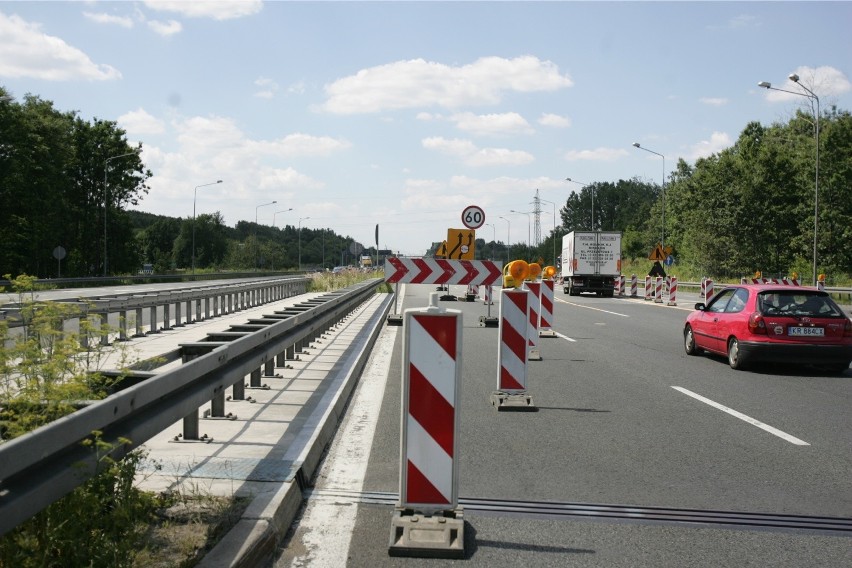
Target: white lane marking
{"x":741,"y":416}
{"x":327,"y":526}
{"x":591,"y":308}
{"x":565,"y":337}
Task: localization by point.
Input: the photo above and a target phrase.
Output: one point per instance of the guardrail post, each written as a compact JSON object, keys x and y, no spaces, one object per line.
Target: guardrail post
{"x":153,"y":316}
{"x":122,"y":325}
{"x":139,"y":331}
{"x":167,"y":316}
{"x":178,"y":323}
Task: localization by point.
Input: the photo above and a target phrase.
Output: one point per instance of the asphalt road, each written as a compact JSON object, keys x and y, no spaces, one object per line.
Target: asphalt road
{"x":624,"y":417}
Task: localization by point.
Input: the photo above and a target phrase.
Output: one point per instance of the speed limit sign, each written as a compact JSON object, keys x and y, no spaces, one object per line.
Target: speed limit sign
{"x":473,"y":217}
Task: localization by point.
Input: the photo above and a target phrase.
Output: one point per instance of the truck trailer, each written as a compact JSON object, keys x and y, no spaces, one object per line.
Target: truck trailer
{"x":591,"y":261}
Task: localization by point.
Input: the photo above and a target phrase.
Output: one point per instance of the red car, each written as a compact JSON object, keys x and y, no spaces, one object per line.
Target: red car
{"x":771,"y":323}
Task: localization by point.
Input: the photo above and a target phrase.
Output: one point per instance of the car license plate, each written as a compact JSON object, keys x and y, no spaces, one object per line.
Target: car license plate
{"x":805,"y":331}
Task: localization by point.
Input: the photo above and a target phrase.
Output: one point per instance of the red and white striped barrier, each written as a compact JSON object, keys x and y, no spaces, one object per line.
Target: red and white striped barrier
{"x":545,"y":319}
{"x":534,"y":308}
{"x":658,"y":290}
{"x":706,"y":289}
{"x":618,"y":285}
{"x":430,"y":419}
{"x":672,"y":291}
{"x":648,"y":293}
{"x":634,"y":286}
{"x":427,"y":521}
{"x":820,"y":284}
{"x":487,"y":295}
{"x":512,"y":354}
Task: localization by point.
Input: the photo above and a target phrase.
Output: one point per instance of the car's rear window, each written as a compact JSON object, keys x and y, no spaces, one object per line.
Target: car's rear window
{"x":798,"y":303}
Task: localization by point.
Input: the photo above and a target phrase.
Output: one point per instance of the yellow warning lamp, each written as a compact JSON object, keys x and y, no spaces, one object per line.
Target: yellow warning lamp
{"x":515,"y":273}
{"x":534,"y":272}
{"x":548,"y":272}
{"x":758,"y":274}
{"x":821,"y":277}
{"x":795,"y":276}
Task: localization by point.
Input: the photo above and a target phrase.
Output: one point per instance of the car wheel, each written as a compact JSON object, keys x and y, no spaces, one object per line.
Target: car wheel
{"x":689,"y":341}
{"x":735,"y":358}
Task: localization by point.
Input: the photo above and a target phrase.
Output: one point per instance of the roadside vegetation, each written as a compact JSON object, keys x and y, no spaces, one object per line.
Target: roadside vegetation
{"x":48,"y":372}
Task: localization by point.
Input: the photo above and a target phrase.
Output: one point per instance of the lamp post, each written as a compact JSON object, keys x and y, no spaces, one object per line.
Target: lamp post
{"x":529,"y":221}
{"x":106,"y":200}
{"x":663,"y":227}
{"x":508,"y":239}
{"x":194,"y":197}
{"x":256,"y":243}
{"x":592,"y":189}
{"x":812,"y":96}
{"x":300,"y":240}
{"x":493,"y":238}
{"x":554,"y":229}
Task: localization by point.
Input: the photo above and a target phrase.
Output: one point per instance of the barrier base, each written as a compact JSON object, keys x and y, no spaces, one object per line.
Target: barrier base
{"x":448,"y":298}
{"x":534,"y":355}
{"x":470,"y":297}
{"x":488,"y":322}
{"x":438,"y":536}
{"x":517,"y":402}
{"x":671,"y":303}
{"x":394,"y":319}
{"x":546,"y":333}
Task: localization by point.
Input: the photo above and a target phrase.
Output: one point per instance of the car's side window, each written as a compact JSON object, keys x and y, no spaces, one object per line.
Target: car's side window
{"x":738,"y":301}
{"x":720,"y":301}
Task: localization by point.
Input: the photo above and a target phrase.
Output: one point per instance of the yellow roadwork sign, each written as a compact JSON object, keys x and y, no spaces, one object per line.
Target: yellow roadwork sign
{"x":657,"y":254}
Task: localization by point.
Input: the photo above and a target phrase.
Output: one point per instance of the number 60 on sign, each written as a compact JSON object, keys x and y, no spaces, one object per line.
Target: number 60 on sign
{"x":473,"y":217}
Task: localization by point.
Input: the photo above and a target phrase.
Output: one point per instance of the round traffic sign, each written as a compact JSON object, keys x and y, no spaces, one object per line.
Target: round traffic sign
{"x":473,"y":217}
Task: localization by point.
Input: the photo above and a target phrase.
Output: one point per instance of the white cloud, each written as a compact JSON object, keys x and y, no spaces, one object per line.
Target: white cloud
{"x":492,"y":124}
{"x":418,"y":83}
{"x":743,"y":21}
{"x":554,"y":120}
{"x":219,"y":10}
{"x":713,"y":101}
{"x":718,"y":142}
{"x":123,"y":21}
{"x":165,"y":29}
{"x":26,"y":51}
{"x":268,"y":88}
{"x":468,"y":152}
{"x":596,"y":155}
{"x":138,"y":122}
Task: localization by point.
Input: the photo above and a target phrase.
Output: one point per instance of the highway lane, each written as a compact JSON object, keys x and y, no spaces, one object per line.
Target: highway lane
{"x":611,"y":429}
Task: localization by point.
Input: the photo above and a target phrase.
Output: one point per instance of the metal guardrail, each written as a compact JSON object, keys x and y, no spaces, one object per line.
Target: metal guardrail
{"x":41,"y":466}
{"x":222,"y":298}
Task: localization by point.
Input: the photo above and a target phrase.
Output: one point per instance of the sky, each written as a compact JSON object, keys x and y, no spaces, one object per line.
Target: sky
{"x":401,"y":114}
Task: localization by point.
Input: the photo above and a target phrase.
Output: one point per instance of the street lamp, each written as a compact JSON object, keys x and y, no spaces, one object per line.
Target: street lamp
{"x":106,"y":192}
{"x":592,"y":189}
{"x":812,"y":96}
{"x":300,"y":240}
{"x":528,"y":226}
{"x":554,"y":229}
{"x":277,"y":212}
{"x":256,"y":243}
{"x":663,"y":227}
{"x":508,"y":239}
{"x":194,"y":197}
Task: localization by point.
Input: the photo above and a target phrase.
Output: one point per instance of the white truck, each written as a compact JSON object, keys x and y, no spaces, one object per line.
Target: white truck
{"x":591,"y":260}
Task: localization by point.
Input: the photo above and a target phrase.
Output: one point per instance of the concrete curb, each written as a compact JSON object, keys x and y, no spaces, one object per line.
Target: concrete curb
{"x":267,"y":519}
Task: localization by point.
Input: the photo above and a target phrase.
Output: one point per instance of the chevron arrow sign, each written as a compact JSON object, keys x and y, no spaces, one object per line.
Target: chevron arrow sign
{"x":441,"y":271}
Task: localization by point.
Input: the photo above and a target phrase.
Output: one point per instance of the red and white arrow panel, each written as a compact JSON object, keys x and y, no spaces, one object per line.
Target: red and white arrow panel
{"x":442,"y":271}
{"x":430,"y":417}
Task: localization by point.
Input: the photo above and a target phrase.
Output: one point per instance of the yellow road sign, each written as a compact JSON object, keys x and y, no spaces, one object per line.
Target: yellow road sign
{"x":442,"y":250}
{"x":461,"y":244}
{"x":657,"y":254}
